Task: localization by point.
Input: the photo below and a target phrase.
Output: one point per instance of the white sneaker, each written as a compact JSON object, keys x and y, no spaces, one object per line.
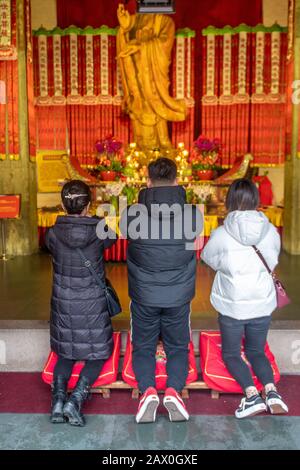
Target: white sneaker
{"x":147,"y":406}
{"x":250,"y":407}
{"x":175,"y":406}
{"x":275,"y":403}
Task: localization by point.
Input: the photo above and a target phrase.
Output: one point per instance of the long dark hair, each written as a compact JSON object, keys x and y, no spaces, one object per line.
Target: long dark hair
{"x":243,"y":195}
{"x":75,"y":196}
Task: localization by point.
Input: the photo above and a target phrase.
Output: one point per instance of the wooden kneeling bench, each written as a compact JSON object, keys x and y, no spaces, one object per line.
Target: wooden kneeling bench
{"x":120,"y":385}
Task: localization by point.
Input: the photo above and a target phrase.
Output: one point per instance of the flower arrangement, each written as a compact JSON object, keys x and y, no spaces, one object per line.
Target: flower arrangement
{"x":205,"y":153}
{"x":110,"y":155}
{"x":201,"y":194}
{"x":108,"y":146}
{"x":131,"y":192}
{"x":114,"y":189}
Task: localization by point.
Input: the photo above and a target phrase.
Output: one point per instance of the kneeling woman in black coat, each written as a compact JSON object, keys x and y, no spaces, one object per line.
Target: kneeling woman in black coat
{"x":80,"y":325}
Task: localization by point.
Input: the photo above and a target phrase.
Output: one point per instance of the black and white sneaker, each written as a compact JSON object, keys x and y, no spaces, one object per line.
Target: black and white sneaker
{"x":275,"y":403}
{"x":250,"y":407}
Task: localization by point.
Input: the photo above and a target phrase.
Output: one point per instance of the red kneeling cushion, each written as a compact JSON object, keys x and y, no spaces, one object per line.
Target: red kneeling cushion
{"x":161,"y":373}
{"x":214,"y":371}
{"x":108,"y":373}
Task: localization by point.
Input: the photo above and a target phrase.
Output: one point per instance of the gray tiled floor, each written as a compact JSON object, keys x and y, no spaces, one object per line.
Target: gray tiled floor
{"x":111,"y":432}
{"x":25,"y":289}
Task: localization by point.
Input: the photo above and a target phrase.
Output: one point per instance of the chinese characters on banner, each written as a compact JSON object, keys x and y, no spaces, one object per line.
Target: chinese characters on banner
{"x":8,"y":30}
{"x":10,"y":206}
{"x":5,"y":23}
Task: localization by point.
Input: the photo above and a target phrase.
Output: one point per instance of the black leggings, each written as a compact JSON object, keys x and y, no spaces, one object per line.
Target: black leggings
{"x":255,"y":333}
{"x":91,"y":369}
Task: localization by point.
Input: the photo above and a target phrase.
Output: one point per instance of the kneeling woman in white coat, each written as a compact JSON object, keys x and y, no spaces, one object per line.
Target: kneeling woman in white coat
{"x":243,"y":293}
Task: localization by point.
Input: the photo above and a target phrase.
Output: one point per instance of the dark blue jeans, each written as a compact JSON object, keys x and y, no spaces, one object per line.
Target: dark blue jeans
{"x":255,"y":332}
{"x":173,"y":326}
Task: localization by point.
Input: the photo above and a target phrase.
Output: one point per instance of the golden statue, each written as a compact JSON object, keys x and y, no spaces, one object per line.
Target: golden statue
{"x":144,"y":45}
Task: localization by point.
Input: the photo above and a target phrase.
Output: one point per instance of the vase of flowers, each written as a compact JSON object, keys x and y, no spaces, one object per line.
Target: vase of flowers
{"x":203,"y":193}
{"x":108,"y":175}
{"x":205,"y":174}
{"x":110,"y":158}
{"x":204,"y":157}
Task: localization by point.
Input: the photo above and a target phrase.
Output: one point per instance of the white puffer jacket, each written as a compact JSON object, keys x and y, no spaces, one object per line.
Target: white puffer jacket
{"x":242,"y":288}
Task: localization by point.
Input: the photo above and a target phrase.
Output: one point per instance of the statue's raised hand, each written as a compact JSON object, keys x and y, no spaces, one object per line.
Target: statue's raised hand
{"x":123,"y":17}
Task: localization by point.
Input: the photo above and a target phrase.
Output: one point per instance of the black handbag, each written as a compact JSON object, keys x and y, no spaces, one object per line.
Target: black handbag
{"x":112,"y":299}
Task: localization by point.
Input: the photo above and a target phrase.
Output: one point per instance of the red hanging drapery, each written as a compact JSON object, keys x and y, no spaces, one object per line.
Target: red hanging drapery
{"x":244,"y":80}
{"x":268,"y":109}
{"x":30,"y":79}
{"x":226,"y":91}
{"x":235,"y":77}
{"x":194,"y":14}
{"x":9,"y":110}
{"x":9,"y":107}
{"x":9,"y":128}
{"x":189,"y":13}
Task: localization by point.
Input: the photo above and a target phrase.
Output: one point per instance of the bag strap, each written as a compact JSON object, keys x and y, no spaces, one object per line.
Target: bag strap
{"x":260,"y":255}
{"x":87,"y":263}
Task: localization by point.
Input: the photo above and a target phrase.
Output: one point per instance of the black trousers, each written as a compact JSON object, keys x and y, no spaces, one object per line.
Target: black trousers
{"x":91,"y":369}
{"x":173,"y":326}
{"x":255,"y":332}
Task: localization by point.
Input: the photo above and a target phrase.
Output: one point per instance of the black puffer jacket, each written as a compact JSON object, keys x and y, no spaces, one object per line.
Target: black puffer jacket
{"x":80,"y":326}
{"x":161,"y":272}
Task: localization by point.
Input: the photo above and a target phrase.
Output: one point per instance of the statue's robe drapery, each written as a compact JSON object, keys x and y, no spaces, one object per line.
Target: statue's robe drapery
{"x":144,"y":69}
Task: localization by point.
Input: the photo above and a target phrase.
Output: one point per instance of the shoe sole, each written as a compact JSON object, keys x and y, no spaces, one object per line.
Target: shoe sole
{"x":57,"y":419}
{"x":149,"y":414}
{"x":277,"y":408}
{"x":73,"y":420}
{"x":253,"y":411}
{"x":176,"y":411}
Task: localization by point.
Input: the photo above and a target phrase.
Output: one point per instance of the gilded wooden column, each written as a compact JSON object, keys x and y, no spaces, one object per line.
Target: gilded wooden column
{"x":18,"y":176}
{"x":291,"y":235}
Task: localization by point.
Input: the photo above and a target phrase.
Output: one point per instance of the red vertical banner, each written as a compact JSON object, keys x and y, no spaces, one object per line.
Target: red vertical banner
{"x":268,"y":124}
{"x":182,"y":80}
{"x":30,"y":85}
{"x":290,"y":90}
{"x":9,"y":135}
{"x":9,"y":109}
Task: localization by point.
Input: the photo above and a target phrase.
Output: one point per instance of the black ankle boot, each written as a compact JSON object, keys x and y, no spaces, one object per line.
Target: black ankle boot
{"x":59,"y":396}
{"x":72,"y":409}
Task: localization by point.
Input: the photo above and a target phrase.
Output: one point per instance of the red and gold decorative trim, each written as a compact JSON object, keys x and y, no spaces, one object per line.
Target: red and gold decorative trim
{"x":43,"y":69}
{"x":210,"y":97}
{"x":58,"y":79}
{"x":180,"y":67}
{"x":89,"y":57}
{"x":242,"y":95}
{"x":275,"y":67}
{"x":105,"y":98}
{"x":117,"y":101}
{"x":74,"y":96}
{"x":8,"y":30}
{"x":77,"y":66}
{"x":189,"y":69}
{"x":259,"y":95}
{"x":291,"y":30}
{"x":226,"y":97}
{"x":5,"y":23}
